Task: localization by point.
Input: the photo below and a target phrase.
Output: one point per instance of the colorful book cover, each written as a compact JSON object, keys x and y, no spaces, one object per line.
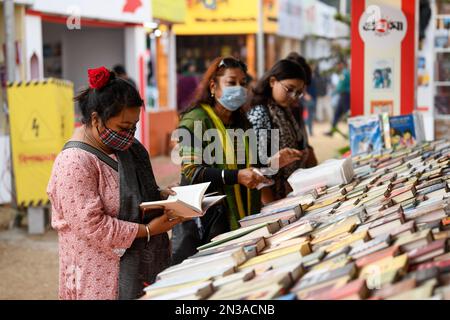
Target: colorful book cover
{"x":365,"y":134}
{"x":403,"y":133}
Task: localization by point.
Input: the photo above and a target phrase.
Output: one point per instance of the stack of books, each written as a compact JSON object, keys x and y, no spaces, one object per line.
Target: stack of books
{"x":330,"y":173}
{"x":383,"y":235}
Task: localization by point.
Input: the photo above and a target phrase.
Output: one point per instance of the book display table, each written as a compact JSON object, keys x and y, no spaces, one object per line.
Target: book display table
{"x":383,"y":235}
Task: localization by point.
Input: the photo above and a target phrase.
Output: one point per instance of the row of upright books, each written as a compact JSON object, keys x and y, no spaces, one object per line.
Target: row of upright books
{"x":374,"y":133}
{"x":383,"y":235}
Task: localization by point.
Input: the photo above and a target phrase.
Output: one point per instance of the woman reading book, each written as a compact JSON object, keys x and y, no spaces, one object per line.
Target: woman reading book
{"x":107,"y":248}
{"x":218,"y":106}
{"x":275,"y":94}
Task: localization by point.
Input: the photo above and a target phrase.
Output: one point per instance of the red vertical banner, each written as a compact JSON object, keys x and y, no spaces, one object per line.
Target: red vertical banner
{"x":408,"y":65}
{"x":384,"y":45}
{"x":357,"y":67}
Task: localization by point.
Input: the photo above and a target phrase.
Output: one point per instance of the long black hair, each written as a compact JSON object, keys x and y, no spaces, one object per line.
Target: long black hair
{"x":282,"y":70}
{"x":108,"y":101}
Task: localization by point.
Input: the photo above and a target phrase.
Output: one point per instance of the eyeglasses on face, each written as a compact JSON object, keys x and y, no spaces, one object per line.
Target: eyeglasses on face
{"x":294,"y":94}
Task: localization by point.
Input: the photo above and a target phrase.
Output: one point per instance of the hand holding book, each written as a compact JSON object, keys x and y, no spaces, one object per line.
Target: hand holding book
{"x":187,"y":202}
{"x":158,"y":225}
{"x":252,"y":178}
{"x":164,"y":223}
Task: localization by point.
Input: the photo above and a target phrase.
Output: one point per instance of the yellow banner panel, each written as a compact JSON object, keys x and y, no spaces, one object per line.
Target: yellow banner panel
{"x":227,"y":17}
{"x":42,"y":120}
{"x":170,"y":11}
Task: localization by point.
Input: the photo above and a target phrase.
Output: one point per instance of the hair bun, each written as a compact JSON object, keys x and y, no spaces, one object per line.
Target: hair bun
{"x":99,"y":77}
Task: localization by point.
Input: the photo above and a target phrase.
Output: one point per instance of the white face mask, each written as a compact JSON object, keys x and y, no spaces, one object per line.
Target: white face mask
{"x":233,"y":97}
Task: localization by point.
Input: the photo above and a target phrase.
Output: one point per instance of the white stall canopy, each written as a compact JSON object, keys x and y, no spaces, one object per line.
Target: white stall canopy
{"x":131,"y":11}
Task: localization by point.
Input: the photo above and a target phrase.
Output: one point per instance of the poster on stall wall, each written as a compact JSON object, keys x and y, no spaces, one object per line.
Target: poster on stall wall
{"x":423,"y":79}
{"x":382,"y":106}
{"x":42,"y":120}
{"x":382,"y":74}
{"x":384,"y":55}
{"x":219,"y":17}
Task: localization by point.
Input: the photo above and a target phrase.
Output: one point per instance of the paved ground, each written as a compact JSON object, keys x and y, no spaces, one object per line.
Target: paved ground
{"x":29,"y":264}
{"x":326,"y":147}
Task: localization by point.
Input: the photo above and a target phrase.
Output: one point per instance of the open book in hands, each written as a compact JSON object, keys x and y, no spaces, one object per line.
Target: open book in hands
{"x":189,"y":202}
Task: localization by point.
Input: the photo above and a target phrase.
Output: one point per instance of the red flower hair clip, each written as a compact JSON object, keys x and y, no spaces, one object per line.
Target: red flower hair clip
{"x":98,"y":78}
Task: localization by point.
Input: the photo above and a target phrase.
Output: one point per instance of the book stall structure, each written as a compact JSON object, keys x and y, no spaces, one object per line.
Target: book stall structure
{"x":381,"y":233}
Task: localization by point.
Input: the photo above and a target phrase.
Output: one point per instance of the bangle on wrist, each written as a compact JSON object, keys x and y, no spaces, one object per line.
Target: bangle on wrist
{"x":148,"y":233}
{"x":223,"y":176}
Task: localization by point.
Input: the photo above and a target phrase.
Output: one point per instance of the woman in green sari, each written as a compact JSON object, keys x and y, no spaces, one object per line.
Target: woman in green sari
{"x":217,"y":105}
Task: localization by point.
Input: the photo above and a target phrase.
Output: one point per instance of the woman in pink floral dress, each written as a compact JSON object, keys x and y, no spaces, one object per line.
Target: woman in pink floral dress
{"x":95,"y":200}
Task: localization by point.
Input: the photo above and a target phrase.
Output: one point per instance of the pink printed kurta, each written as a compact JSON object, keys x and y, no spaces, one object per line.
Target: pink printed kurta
{"x":84,"y":193}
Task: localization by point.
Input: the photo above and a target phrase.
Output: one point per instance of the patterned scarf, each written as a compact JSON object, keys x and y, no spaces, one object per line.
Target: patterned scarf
{"x":290,"y":137}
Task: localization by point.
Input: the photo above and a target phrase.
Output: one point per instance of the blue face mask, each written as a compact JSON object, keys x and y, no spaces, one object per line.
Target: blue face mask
{"x":233,"y":97}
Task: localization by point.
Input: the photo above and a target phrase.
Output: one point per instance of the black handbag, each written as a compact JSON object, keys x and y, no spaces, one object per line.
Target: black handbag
{"x":189,"y":235}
